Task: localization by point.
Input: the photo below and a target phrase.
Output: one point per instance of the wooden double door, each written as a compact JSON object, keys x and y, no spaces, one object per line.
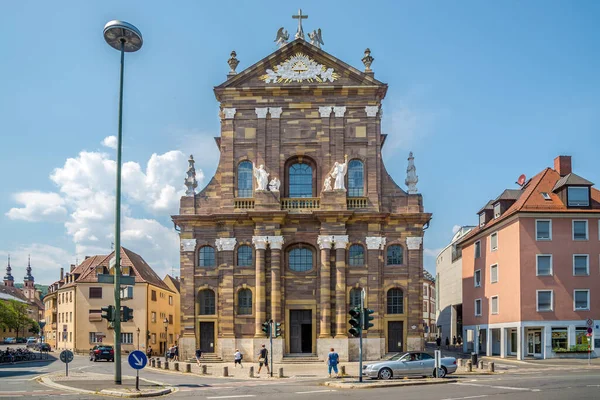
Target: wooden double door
{"x":301,"y":331}
{"x":207,"y":337}
{"x":395,"y":336}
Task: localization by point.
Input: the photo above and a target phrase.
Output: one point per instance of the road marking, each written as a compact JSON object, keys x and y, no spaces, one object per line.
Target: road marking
{"x":468,"y":397}
{"x":10,"y":395}
{"x":232,"y":397}
{"x":317,"y":391}
{"x":593,"y":385}
{"x":498,"y":387}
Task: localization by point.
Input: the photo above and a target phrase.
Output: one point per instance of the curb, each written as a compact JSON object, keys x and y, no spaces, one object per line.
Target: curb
{"x":357,"y":385}
{"x":49,"y":382}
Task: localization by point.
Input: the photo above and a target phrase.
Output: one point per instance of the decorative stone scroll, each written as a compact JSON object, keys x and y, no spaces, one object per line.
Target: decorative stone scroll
{"x":340,"y":241}
{"x":375,"y":242}
{"x":229,"y":113}
{"x":188,"y":244}
{"x":414,"y":243}
{"x":260,"y":242}
{"x":325,"y":241}
{"x":325,"y":112}
{"x":339,"y":111}
{"x":275,"y":112}
{"x":275,"y":242}
{"x":371,"y":111}
{"x":261,"y":113}
{"x":225,"y":244}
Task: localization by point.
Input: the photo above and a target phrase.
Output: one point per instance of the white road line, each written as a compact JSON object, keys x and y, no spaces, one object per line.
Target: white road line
{"x":232,"y":397}
{"x":468,"y":397}
{"x":317,"y":391}
{"x":593,"y":385}
{"x":498,"y":387}
{"x":10,"y":395}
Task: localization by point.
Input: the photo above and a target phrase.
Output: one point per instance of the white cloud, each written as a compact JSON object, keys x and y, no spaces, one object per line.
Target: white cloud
{"x":46,"y":261}
{"x":38,"y":206}
{"x":431,"y":252}
{"x":456,"y":228}
{"x":110,"y":142}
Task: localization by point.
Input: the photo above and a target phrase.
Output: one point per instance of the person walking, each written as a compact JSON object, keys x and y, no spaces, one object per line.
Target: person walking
{"x":263,"y":359}
{"x":149,"y":352}
{"x":438,"y":342}
{"x":447,"y":343}
{"x":454,"y":341}
{"x":237,"y":358}
{"x":176,"y":352}
{"x":333,"y":359}
{"x":198,"y":356}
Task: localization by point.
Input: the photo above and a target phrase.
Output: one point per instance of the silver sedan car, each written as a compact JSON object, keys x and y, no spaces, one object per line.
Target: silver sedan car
{"x":412,"y":363}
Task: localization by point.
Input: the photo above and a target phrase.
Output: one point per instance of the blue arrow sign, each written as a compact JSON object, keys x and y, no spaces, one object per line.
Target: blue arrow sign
{"x":137,"y":359}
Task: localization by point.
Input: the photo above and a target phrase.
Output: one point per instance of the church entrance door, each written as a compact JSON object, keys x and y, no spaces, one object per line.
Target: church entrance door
{"x":300,"y":331}
{"x":395,"y":339}
{"x":207,"y":337}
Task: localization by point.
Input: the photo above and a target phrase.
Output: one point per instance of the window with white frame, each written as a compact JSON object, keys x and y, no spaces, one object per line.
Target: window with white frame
{"x":494,"y":273}
{"x":477,"y":307}
{"x":543,"y":265}
{"x":581,"y":265}
{"x":545,"y":300}
{"x":497,"y":210}
{"x":581,"y":299}
{"x":95,"y":337}
{"x":580,"y":230}
{"x":126,"y":338}
{"x":478,"y":249}
{"x":494,"y":241}
{"x":482,"y":219}
{"x":477,"y":278}
{"x":494,"y":301}
{"x":543,"y":229}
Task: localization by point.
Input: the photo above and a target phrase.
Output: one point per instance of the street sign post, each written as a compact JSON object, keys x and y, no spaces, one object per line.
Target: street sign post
{"x":137,"y":360}
{"x":66,"y":356}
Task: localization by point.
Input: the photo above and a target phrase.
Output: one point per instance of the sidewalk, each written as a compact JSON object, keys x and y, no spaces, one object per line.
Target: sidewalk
{"x":103,"y":384}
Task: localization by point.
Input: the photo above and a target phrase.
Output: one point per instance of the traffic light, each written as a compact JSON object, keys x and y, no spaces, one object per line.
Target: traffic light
{"x":126,"y":314}
{"x":367,"y":318}
{"x":355,"y":321}
{"x":108,"y":313}
{"x":266,"y":328}
{"x":277,"y":329}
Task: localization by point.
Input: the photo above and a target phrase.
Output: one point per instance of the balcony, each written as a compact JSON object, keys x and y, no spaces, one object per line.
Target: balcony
{"x":243,"y":204}
{"x":300,"y":204}
{"x":354,"y":203}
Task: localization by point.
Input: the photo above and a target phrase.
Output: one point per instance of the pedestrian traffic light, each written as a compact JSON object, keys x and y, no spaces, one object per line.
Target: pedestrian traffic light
{"x":355,"y":321}
{"x":367,"y":317}
{"x":126,"y":314}
{"x":277,"y":329}
{"x":266,"y":328}
{"x":108,"y":313}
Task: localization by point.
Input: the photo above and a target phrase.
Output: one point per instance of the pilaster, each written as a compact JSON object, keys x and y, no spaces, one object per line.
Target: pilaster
{"x":260,"y":305}
{"x":276,"y":243}
{"x":375,"y":246}
{"x":340,"y":242}
{"x":225,"y":247}
{"x":325,"y":243}
{"x":415,"y":339}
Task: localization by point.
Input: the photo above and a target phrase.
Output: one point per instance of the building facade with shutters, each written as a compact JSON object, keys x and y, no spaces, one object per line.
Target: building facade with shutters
{"x":299,"y":245}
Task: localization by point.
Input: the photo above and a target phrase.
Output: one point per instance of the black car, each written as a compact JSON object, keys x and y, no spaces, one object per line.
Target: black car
{"x":43,"y":347}
{"x":102,"y":352}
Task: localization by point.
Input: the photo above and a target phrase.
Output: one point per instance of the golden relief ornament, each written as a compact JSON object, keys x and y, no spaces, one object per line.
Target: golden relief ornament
{"x":299,"y":68}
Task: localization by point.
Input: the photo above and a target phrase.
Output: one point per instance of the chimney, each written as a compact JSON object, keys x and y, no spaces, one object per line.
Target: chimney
{"x":72,"y":267}
{"x":62,"y":273}
{"x":562,"y":165}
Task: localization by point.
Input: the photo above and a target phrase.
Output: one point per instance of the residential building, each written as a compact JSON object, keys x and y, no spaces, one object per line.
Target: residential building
{"x":531,"y":276}
{"x":429,"y":299}
{"x":330,"y":225}
{"x":448,"y":279}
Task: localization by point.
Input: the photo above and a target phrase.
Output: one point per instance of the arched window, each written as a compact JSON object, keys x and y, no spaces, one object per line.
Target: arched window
{"x":300,"y":178}
{"x":300,"y":259}
{"x":244,"y":256}
{"x":356,"y":255}
{"x":355,"y":297}
{"x":206,"y":257}
{"x":395,"y":255}
{"x":356,"y":178}
{"x":245,"y":302}
{"x":244,"y":179}
{"x":395,"y":301}
{"x":207,"y":302}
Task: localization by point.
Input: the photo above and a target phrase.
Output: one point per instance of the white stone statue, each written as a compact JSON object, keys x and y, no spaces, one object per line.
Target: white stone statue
{"x":338,"y":172}
{"x":411,"y":175}
{"x":274,"y":185}
{"x":327,"y":184}
{"x":262,"y":177}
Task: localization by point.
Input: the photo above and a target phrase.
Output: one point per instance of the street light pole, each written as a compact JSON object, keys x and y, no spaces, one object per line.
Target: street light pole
{"x":125,"y":38}
{"x":166,"y":322}
{"x":138,"y":332}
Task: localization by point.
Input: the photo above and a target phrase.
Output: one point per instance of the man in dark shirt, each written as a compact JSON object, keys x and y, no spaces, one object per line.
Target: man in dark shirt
{"x":263,"y":359}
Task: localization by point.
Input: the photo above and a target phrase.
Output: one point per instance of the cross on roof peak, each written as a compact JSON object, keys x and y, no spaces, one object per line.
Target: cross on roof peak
{"x":300,"y":17}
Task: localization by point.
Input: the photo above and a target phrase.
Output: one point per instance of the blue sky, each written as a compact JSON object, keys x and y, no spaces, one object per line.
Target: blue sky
{"x":481,"y":91}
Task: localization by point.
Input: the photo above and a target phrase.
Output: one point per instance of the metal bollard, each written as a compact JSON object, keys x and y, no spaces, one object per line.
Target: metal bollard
{"x":251,"y":372}
{"x":158,"y":362}
{"x":225,"y":371}
{"x":343,"y":370}
{"x":491,"y":367}
{"x":152,"y":362}
{"x":188,"y":367}
{"x":280,"y":372}
{"x":176,"y":365}
{"x":203,"y":369}
{"x":480,"y":364}
{"x":166,"y":365}
{"x":469,"y":366}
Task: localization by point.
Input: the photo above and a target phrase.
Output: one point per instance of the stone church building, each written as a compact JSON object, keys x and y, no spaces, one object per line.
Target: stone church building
{"x":300,"y":217}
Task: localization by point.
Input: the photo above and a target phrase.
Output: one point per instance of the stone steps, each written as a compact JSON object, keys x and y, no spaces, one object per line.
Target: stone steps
{"x":300,"y":359}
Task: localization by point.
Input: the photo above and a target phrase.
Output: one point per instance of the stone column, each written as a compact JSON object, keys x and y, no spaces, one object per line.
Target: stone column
{"x":340,"y":241}
{"x":276,"y":242}
{"x":225,"y":246}
{"x":187,"y":342}
{"x":375,"y":245}
{"x":414,"y":260}
{"x":227,"y":138}
{"x":260,"y":305}
{"x":325,"y":243}
{"x":503,"y":345}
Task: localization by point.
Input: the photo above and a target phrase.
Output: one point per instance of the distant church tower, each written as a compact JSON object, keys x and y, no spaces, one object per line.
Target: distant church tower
{"x":29,"y":282}
{"x":8,"y":278}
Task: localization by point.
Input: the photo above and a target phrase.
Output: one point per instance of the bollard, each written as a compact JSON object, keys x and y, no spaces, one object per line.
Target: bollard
{"x":280,"y":375}
{"x":225,"y":371}
{"x":158,"y":362}
{"x":480,"y":364}
{"x":460,"y":362}
{"x":166,"y":365}
{"x":176,"y":365}
{"x":203,"y":369}
{"x":152,"y":362}
{"x":251,"y":372}
{"x":343,"y":370}
{"x":491,"y":367}
{"x":469,"y":366}
{"x":188,"y":367}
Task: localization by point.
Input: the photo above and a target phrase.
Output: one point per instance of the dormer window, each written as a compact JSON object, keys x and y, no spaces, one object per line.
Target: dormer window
{"x":578,"y":196}
{"x":497,"y":211}
{"x":482,"y":219}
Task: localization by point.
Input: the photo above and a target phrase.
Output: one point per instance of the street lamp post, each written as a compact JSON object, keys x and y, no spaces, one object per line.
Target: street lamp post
{"x":138,"y":332}
{"x":125,"y":38}
{"x":166,"y":323}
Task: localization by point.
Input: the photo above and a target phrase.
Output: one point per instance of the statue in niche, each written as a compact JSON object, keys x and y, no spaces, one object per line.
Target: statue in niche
{"x":274,"y":185}
{"x":262,"y":177}
{"x":327,"y":184}
{"x":338,"y":172}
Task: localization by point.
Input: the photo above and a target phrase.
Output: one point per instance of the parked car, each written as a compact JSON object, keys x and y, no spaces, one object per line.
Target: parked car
{"x":412,"y":363}
{"x":102,"y":352}
{"x":10,"y":340}
{"x":42,"y":347}
{"x":31,"y":342}
{"x":21,"y":340}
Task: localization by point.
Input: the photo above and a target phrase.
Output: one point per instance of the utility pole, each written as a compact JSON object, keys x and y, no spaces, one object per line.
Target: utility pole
{"x":271,"y":326}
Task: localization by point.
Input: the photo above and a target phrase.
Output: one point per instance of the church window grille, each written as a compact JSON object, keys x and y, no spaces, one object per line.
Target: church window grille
{"x":356,"y":255}
{"x":395,"y":255}
{"x":356,"y":178}
{"x":244,"y":179}
{"x":300,"y":259}
{"x":244,"y":256}
{"x":245,"y":302}
{"x":395,"y":301}
{"x":207,"y":302}
{"x":300,"y":180}
{"x":206,"y":257}
{"x":355,"y":297}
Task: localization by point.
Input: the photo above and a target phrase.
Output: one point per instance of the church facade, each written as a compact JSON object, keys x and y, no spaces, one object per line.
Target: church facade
{"x":301,"y":217}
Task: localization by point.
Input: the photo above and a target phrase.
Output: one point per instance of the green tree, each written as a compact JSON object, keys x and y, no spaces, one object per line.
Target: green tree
{"x":15,"y":315}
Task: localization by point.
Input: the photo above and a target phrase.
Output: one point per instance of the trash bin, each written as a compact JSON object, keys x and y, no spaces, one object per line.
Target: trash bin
{"x":474,"y":358}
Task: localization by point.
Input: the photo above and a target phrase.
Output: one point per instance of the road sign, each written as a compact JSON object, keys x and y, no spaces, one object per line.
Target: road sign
{"x":590,"y":330}
{"x":137,"y":359}
{"x":66,"y":356}
{"x":590,"y":322}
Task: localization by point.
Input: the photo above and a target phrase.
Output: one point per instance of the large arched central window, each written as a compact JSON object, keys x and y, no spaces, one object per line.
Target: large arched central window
{"x":356,"y":178}
{"x":207,"y":302}
{"x":244,"y":179}
{"x":395,"y":301}
{"x":300,"y":259}
{"x":300,"y":178}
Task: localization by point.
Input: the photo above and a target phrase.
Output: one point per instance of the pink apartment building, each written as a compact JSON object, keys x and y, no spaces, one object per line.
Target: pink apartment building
{"x":531,"y":269}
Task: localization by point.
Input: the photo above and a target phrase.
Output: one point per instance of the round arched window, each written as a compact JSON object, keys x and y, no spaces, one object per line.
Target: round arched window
{"x":300,"y":177}
{"x":300,"y":259}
